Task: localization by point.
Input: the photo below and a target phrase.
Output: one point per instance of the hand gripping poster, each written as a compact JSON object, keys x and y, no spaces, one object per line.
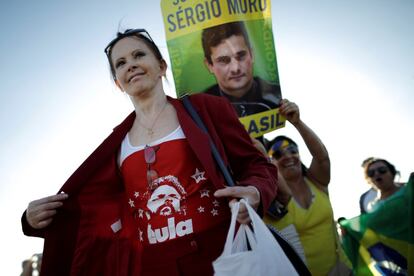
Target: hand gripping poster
{"x":226,"y":48}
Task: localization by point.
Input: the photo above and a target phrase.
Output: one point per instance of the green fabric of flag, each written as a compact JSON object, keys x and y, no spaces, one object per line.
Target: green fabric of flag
{"x":382,"y":242}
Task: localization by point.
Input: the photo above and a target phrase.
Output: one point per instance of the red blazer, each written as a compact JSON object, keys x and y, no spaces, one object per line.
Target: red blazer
{"x":80,"y":240}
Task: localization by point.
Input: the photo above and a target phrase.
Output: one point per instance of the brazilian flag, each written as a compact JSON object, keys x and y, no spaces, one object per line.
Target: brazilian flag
{"x":382,"y":242}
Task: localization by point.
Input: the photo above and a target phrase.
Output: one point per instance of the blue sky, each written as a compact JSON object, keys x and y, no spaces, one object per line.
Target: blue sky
{"x":348,"y":65}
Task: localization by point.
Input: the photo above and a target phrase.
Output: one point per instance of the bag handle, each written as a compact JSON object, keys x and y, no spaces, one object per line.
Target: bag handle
{"x":243,"y":230}
{"x":189,"y":107}
{"x":230,"y":234}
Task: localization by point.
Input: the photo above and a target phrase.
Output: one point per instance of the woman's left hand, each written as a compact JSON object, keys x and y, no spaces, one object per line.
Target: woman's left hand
{"x":250,"y":193}
{"x":290,"y":110}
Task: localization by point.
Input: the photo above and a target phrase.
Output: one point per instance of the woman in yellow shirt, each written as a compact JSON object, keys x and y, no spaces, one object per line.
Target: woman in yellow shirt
{"x":303,"y":193}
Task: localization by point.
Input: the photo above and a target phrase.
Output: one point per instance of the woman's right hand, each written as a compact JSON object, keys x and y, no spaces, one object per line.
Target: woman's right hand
{"x":39,"y":213}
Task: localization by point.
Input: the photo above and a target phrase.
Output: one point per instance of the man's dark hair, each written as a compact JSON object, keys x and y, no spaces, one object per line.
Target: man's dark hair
{"x":213,"y":36}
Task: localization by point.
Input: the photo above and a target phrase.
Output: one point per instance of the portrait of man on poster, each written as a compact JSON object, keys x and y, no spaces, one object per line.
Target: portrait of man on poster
{"x":229,"y":56}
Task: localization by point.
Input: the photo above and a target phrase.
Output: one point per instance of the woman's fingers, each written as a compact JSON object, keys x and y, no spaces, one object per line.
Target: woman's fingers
{"x":290,"y":110}
{"x":40,"y":212}
{"x":243,"y":215}
{"x":35,"y":209}
{"x":250,"y":193}
{"x":44,"y":223}
{"x":48,"y":199}
{"x":45,"y":215}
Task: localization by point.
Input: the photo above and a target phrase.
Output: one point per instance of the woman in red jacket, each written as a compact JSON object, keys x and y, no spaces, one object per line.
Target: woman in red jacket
{"x":150,"y":199}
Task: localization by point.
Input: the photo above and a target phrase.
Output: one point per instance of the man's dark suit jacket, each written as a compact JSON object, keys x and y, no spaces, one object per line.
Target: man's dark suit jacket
{"x":262,"y":96}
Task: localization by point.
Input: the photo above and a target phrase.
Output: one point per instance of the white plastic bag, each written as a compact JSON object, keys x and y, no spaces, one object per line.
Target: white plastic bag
{"x":265,"y":258}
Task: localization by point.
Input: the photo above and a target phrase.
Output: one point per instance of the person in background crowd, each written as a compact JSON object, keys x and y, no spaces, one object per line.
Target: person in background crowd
{"x":380,"y":174}
{"x":302,"y":210}
{"x":31,"y":266}
{"x":150,"y":199}
{"x":367,"y":196}
{"x":382,"y":235}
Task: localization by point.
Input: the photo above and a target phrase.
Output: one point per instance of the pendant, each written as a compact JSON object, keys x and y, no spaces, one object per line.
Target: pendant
{"x":150,"y":132}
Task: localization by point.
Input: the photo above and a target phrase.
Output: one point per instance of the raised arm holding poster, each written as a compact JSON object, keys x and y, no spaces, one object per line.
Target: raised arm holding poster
{"x":226,"y":48}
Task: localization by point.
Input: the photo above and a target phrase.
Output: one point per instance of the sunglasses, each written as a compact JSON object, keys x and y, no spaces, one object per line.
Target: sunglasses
{"x":381,"y":170}
{"x":150,"y":157}
{"x":277,"y":154}
{"x":131,"y":32}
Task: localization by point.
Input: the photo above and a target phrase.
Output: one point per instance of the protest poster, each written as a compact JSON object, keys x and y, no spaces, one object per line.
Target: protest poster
{"x":226,"y":48}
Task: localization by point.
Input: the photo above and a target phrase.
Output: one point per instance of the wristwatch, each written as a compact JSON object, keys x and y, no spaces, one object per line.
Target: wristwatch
{"x":277,"y":210}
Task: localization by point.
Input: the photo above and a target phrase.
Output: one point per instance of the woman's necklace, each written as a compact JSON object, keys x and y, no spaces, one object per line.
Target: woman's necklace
{"x":150,"y":130}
